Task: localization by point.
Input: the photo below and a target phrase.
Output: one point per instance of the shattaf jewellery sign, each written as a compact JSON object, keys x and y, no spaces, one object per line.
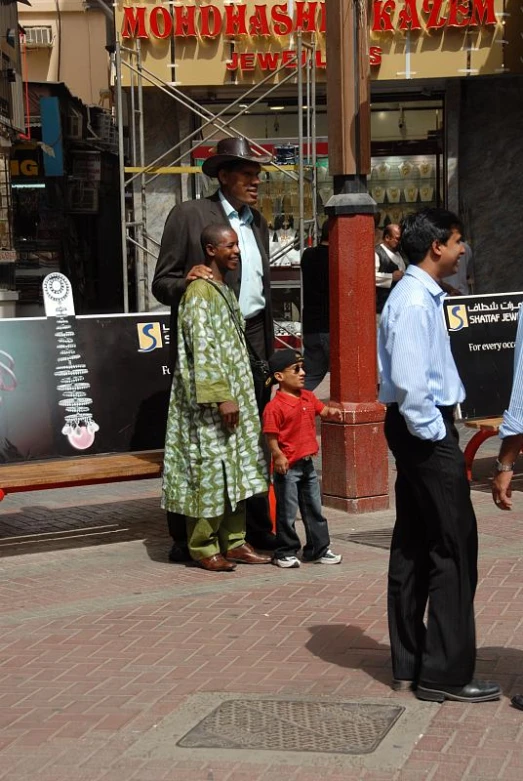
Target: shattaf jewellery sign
{"x":221,"y":40}
{"x":482,"y":334}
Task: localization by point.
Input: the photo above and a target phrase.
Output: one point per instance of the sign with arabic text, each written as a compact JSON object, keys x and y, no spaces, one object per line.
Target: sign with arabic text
{"x":482,"y":334}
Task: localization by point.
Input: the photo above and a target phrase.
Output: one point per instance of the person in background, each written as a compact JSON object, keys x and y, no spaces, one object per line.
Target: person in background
{"x":289,"y":425}
{"x":511,"y":433}
{"x":213,"y":456}
{"x":389,"y":264}
{"x":315,"y":318}
{"x":461,"y":281}
{"x":433,"y":554}
{"x":181,"y":261}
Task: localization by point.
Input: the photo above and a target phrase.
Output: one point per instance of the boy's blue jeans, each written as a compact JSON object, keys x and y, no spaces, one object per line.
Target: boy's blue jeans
{"x":300,"y":488}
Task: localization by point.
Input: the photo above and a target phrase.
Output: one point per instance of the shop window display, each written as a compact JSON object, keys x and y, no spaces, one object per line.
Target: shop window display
{"x":401,"y":184}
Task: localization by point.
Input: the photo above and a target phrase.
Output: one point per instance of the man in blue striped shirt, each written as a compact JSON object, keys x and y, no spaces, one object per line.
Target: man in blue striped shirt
{"x":511,"y":431}
{"x":433,"y":557}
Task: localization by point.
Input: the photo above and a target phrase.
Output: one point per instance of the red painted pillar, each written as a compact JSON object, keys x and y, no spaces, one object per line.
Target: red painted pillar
{"x":354,"y":473}
{"x":354,"y":453}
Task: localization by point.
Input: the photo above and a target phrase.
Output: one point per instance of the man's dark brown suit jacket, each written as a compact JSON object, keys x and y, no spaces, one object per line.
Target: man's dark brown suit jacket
{"x":181,"y":250}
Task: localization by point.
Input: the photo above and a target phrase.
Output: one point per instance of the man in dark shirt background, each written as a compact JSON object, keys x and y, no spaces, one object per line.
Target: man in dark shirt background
{"x":316,"y":336}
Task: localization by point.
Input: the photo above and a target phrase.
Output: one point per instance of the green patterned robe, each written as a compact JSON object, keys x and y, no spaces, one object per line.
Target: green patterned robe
{"x":204,"y":461}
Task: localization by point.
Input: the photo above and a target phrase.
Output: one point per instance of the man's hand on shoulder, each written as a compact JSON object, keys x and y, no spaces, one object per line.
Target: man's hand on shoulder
{"x":198,"y":272}
{"x":397,"y":275}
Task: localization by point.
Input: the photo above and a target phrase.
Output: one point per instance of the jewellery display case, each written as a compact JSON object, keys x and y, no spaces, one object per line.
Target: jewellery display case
{"x":402,"y":184}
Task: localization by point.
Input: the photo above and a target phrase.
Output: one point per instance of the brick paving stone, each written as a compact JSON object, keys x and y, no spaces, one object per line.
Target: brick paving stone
{"x":102,"y":639}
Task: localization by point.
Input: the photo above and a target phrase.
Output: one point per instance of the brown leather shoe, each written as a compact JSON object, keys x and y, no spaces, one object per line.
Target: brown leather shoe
{"x":245,"y":554}
{"x":216,"y":563}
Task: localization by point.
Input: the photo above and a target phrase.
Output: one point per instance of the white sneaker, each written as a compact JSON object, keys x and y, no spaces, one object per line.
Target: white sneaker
{"x":287,"y":562}
{"x":329,"y":558}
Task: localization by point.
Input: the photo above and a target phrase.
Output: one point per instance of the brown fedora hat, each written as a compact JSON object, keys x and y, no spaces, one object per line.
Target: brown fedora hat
{"x":229,"y":150}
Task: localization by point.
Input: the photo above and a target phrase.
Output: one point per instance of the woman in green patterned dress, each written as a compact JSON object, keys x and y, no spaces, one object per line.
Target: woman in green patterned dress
{"x":213,"y":457}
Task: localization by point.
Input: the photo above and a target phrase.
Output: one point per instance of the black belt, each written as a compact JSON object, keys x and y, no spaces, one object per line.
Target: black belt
{"x":255,"y":319}
{"x":447,"y":412}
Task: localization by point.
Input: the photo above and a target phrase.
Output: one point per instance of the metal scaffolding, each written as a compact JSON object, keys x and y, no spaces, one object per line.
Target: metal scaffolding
{"x":137,"y":177}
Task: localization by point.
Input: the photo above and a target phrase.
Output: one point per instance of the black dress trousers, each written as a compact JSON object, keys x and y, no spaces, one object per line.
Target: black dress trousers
{"x":433,"y":558}
{"x":259,"y":525}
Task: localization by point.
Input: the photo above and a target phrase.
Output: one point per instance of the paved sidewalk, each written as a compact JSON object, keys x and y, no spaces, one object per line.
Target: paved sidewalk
{"x":109,"y":654}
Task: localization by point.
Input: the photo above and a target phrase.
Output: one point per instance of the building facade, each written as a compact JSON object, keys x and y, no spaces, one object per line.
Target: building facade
{"x":65,"y":42}
{"x":447,"y":108}
{"x":12,"y":123}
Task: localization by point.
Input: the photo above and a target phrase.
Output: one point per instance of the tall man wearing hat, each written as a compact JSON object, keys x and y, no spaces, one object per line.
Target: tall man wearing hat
{"x":181,"y":261}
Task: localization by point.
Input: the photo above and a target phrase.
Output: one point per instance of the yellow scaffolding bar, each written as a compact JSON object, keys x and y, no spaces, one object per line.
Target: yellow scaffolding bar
{"x":192,"y":169}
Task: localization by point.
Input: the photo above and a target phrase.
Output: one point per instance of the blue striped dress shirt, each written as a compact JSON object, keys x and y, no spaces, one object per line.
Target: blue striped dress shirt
{"x":251,"y":299}
{"x":513,"y":416}
{"x":417,"y":370}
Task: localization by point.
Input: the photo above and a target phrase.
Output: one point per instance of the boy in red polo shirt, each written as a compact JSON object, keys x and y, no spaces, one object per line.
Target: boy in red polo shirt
{"x":289,"y":425}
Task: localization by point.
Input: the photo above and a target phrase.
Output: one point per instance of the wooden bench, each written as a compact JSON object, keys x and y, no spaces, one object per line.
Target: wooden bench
{"x":485,"y":428}
{"x":84,"y":470}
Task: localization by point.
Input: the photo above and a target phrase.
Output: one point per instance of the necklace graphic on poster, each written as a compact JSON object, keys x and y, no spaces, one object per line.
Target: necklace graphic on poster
{"x":71,"y":372}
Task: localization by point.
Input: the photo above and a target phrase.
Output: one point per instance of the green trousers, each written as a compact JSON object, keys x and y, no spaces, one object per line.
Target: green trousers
{"x":209,"y":536}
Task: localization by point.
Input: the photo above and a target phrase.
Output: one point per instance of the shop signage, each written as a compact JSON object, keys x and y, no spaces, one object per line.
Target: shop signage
{"x":25,"y":161}
{"x":482,"y":334}
{"x":220,"y":41}
{"x":270,"y":61}
{"x":390,"y":15}
{"x":122,"y":390}
{"x":25,"y":167}
{"x":210,"y":21}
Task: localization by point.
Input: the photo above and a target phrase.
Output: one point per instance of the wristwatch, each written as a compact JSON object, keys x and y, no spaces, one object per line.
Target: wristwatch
{"x":504,"y":467}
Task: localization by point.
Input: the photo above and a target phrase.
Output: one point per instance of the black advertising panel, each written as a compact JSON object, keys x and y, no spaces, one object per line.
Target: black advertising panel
{"x":83,"y":385}
{"x":482,"y":335}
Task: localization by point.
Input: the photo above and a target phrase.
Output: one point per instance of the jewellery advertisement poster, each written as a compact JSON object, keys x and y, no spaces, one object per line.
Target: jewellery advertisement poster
{"x":482,"y":332}
{"x":83,"y":385}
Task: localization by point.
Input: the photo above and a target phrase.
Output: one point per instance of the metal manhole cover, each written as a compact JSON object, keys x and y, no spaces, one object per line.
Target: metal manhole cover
{"x":294,"y":725}
{"x":376,"y":538}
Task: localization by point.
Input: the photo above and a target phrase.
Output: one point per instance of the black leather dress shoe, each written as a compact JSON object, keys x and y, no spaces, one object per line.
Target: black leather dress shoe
{"x":475,"y":691}
{"x":517,"y":701}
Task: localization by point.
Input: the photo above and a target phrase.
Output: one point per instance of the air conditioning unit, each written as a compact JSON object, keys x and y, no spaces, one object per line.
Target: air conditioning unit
{"x":105,"y":129}
{"x":74,"y":125}
{"x":38,"y":37}
{"x":82,"y":197}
